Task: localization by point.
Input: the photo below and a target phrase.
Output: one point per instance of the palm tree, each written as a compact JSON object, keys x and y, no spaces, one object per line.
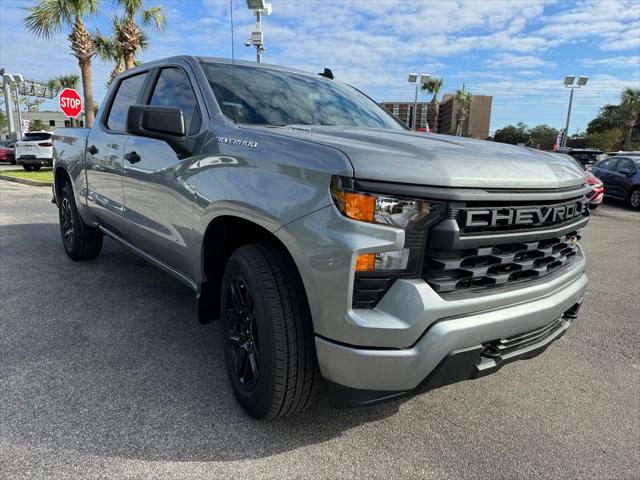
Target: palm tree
{"x":69,"y":80}
{"x":433,"y":86}
{"x":630,"y":105}
{"x":48,"y":17}
{"x":129,"y":35}
{"x":463,"y":99}
{"x":108,"y":48}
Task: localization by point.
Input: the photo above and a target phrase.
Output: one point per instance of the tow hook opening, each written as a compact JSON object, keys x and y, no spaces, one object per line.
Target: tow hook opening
{"x":572,"y":313}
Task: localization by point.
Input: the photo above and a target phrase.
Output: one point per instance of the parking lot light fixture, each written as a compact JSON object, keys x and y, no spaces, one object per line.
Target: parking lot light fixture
{"x":259,"y":7}
{"x":569,"y":83}
{"x":413,"y":80}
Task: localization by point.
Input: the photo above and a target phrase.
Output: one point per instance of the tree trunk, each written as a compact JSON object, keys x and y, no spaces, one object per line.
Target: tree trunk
{"x":87,"y":86}
{"x":627,"y":140}
{"x":129,"y":60}
{"x":433,"y":118}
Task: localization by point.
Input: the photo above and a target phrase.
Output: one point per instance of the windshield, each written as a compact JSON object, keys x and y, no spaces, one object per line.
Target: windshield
{"x":264,"y":96}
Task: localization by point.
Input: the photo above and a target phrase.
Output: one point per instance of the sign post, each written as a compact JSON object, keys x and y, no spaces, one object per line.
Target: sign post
{"x":70,"y":103}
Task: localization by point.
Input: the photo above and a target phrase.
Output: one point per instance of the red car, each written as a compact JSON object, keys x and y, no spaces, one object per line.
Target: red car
{"x":598,"y":190}
{"x":7,"y":155}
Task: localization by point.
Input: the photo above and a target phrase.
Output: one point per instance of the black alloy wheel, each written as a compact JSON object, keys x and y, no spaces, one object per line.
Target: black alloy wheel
{"x":66,"y":224}
{"x":242,"y":333}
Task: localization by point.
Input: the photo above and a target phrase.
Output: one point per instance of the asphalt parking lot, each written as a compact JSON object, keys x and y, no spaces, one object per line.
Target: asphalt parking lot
{"x":106,"y":373}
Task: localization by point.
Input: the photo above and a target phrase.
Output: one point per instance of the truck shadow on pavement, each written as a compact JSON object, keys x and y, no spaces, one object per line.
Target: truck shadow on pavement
{"x":107,"y":358}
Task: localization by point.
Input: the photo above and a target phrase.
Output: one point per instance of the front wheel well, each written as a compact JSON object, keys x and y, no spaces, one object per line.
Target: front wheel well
{"x":223,"y":235}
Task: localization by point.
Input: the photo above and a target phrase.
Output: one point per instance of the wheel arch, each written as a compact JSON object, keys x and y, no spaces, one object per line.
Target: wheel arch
{"x":222,"y":236}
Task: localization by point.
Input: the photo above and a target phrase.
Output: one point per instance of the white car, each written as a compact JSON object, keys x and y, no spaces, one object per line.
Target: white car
{"x":35,"y":150}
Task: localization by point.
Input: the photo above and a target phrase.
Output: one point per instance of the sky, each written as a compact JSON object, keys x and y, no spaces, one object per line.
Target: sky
{"x":516,"y":51}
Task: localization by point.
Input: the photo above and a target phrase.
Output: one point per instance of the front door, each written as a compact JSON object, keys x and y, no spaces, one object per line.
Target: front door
{"x":159,"y":193}
{"x":104,"y":157}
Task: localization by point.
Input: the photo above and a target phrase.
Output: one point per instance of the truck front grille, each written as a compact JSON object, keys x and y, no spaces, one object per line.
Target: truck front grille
{"x":505,"y":346}
{"x":497,"y":265}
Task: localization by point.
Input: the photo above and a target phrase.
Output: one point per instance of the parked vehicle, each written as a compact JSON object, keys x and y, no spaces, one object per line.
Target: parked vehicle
{"x":35,"y":150}
{"x":7,"y":154}
{"x":586,"y":156}
{"x":598,"y":190}
{"x":620,"y":175}
{"x":331,"y":241}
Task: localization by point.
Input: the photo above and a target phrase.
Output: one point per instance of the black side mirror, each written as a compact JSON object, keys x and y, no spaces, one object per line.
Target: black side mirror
{"x":624,"y":171}
{"x":162,"y":123}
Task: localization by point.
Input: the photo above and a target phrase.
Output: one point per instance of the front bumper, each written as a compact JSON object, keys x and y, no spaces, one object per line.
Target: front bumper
{"x":451,"y":349}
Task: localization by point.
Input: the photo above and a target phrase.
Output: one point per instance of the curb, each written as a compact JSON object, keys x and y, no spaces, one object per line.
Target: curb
{"x":24,"y":181}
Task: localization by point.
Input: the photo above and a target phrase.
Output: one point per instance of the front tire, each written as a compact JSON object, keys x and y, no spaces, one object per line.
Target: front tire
{"x":634,"y":198}
{"x":268,"y":337}
{"x":80,"y":241}
{"x":28,"y":168}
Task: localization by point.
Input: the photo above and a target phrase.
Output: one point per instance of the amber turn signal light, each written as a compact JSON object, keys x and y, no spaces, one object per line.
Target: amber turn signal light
{"x":358,"y":206}
{"x":366,"y":262}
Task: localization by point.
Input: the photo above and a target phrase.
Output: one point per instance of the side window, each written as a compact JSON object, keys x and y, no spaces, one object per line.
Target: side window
{"x":127,"y":95}
{"x":623,"y":163}
{"x":173,"y":89}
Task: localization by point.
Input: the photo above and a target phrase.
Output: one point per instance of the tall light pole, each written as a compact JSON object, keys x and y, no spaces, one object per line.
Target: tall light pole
{"x":413,"y":80}
{"x":259,"y":7}
{"x":569,"y":83}
{"x":7,"y":80}
{"x":17,"y":80}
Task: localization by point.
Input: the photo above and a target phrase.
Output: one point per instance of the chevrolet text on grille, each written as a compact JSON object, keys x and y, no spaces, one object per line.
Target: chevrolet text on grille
{"x":493,"y":217}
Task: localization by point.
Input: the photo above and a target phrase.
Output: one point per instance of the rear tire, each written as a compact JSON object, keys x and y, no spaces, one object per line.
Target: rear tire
{"x":268,"y":336}
{"x":634,"y":198}
{"x":80,"y":241}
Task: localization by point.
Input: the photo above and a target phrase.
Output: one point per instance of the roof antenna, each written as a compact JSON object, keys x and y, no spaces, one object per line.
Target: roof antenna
{"x":233,"y":64}
{"x":327,"y":74}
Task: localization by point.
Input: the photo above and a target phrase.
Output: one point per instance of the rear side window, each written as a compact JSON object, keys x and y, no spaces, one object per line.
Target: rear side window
{"x":173,"y":89}
{"x":127,"y":95}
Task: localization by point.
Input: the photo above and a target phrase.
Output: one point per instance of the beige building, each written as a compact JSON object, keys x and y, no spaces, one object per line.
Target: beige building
{"x":476,"y":124}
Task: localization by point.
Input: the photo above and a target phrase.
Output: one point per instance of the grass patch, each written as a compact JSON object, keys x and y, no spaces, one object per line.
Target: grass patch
{"x":40,"y":176}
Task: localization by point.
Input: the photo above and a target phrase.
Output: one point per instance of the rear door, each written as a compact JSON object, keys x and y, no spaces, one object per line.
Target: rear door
{"x":159,"y":196}
{"x":105,"y":152}
{"x":621,"y":178}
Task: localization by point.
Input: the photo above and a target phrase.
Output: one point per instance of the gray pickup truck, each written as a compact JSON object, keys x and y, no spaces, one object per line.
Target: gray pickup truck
{"x":336,"y":246}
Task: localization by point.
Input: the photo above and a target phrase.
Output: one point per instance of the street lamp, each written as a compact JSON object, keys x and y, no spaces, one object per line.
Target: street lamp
{"x":413,"y":80}
{"x":569,"y":83}
{"x":259,"y":7}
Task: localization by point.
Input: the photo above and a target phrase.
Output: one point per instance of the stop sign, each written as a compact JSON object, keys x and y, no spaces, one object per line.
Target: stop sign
{"x":70,"y":102}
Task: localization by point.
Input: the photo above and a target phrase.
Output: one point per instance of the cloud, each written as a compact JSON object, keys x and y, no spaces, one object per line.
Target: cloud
{"x":510,"y":61}
{"x":615,"y":62}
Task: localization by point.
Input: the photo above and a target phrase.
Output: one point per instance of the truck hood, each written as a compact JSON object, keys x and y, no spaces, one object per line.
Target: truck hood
{"x":443,"y":160}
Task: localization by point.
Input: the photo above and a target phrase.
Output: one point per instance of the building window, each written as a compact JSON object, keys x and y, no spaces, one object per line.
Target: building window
{"x":52,"y":123}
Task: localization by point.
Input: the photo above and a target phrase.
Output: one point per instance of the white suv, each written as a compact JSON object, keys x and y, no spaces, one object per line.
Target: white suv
{"x":34,"y":150}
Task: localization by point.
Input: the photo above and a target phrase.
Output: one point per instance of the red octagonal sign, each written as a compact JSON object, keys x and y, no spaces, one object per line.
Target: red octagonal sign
{"x":70,"y":102}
